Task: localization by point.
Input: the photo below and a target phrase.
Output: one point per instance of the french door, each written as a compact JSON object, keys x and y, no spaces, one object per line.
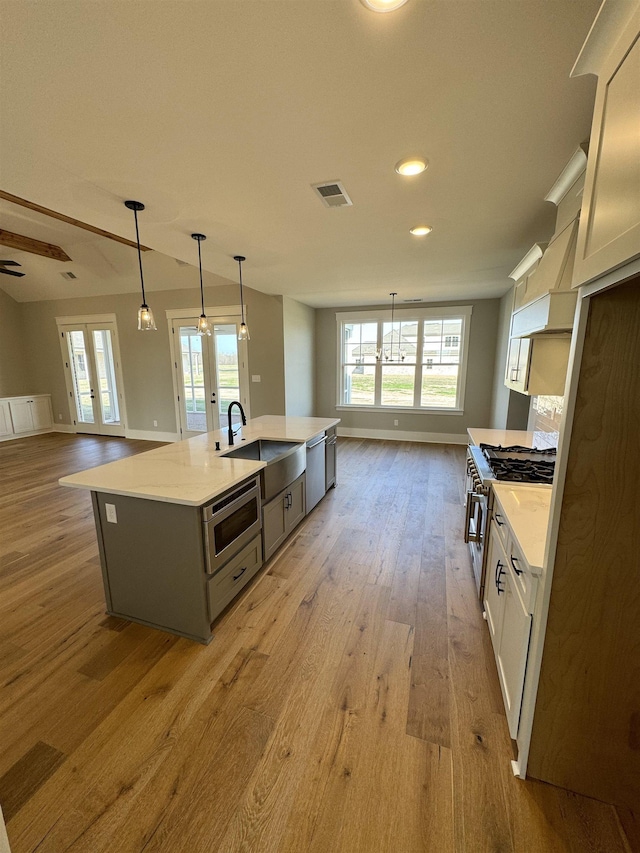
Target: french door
{"x":210,"y":372}
{"x":94,"y":381}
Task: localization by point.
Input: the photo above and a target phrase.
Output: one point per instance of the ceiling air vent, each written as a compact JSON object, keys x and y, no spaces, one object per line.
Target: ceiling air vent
{"x":418,"y":299}
{"x":70,"y":276}
{"x":332,"y":194}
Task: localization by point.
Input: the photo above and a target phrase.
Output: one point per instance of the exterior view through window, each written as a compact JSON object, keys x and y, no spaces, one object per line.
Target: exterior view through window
{"x":416,"y":363}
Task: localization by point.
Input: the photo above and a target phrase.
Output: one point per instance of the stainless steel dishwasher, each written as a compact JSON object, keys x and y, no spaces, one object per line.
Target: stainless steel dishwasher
{"x":315,"y":481}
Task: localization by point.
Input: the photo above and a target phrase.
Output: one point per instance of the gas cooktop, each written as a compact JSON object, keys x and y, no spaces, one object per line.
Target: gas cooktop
{"x":520,"y":464}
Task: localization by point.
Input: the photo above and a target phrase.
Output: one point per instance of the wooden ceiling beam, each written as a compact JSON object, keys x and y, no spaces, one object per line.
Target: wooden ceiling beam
{"x":36,"y":247}
{"x":22,"y":202}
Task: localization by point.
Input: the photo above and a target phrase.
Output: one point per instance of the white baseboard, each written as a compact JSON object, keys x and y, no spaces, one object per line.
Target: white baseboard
{"x":151,"y":435}
{"x":405,"y":435}
{"x":12,"y":436}
{"x":63,"y":428}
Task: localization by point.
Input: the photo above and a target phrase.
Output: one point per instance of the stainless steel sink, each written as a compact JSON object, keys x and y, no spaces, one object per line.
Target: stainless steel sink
{"x":286,"y":460}
{"x":265,"y":450}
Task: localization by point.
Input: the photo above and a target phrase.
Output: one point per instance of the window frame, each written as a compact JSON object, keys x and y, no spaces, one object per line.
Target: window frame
{"x":419,"y":315}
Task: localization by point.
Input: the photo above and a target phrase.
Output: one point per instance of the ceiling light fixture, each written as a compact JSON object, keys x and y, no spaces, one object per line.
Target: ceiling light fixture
{"x":243,"y":332}
{"x":411,"y":166}
{"x":421,"y":230}
{"x":146,"y":323}
{"x":383,"y":5}
{"x":203,"y":324}
{"x":388,"y":353}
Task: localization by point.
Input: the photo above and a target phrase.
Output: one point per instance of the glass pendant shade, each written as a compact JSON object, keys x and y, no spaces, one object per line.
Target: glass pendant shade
{"x":203,"y":327}
{"x":146,"y":323}
{"x":243,"y":332}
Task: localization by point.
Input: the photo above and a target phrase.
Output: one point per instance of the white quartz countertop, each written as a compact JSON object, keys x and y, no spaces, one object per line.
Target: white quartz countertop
{"x":526,"y":508}
{"x":192,"y":472}
{"x":509,"y":437}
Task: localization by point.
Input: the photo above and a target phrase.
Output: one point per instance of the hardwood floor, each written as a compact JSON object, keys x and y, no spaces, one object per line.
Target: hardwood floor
{"x":348,"y":701}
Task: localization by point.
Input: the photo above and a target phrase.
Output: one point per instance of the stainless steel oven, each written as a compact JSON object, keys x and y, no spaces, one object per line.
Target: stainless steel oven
{"x":478,"y":514}
{"x":230,"y":522}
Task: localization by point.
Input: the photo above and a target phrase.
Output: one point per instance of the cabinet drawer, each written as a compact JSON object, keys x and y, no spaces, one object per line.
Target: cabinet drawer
{"x":525,"y":582}
{"x":223,"y":587}
{"x":499,"y":526}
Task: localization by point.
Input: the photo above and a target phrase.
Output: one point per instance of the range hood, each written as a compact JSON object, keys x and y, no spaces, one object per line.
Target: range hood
{"x":550,"y":301}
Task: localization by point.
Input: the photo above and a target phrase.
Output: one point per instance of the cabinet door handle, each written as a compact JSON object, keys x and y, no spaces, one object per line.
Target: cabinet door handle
{"x":497,"y":517}
{"x":240,"y":573}
{"x":514,"y":560}
{"x":499,"y":573}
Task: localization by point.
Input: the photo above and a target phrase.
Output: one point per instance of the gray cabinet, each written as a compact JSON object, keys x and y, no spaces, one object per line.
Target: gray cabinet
{"x":282,"y":514}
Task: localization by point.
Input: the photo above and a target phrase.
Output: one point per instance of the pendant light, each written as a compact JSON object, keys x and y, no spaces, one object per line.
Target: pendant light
{"x":203,"y":324}
{"x":146,"y":323}
{"x":243,"y":332}
{"x":388,"y":354}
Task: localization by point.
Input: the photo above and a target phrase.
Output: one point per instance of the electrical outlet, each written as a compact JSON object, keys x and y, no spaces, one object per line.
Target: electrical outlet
{"x":111,"y":513}
{"x":155,"y":423}
{"x":59,"y":416}
{"x":395,"y":423}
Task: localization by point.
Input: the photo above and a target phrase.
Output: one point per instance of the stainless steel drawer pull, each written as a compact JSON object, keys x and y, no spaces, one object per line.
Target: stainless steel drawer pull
{"x":514,"y":560}
{"x":240,"y":573}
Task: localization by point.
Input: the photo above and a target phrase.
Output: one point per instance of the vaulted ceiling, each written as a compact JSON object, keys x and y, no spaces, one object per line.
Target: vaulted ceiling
{"x":220,"y":115}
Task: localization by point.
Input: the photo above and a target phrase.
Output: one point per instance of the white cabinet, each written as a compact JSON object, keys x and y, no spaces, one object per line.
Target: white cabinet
{"x":282,"y":514}
{"x":30,"y":414}
{"x":512,"y":648}
{"x":538,"y":365}
{"x":509,"y":599}
{"x":6,"y":427}
{"x":23,"y":415}
{"x":609,"y":233}
{"x":494,"y":586}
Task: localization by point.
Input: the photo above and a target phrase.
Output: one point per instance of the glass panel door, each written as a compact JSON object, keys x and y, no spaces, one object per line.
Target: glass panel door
{"x":195,"y":369}
{"x":210,"y":373}
{"x":83,"y":388}
{"x":107,"y":395}
{"x":93,"y":367}
{"x":227,"y":368}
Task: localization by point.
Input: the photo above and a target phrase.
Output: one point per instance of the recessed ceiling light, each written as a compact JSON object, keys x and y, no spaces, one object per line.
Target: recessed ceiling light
{"x":421,"y":230}
{"x":383,"y":5}
{"x":411,"y":166}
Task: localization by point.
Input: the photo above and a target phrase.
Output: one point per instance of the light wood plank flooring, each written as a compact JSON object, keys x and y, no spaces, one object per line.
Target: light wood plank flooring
{"x":348,"y":702}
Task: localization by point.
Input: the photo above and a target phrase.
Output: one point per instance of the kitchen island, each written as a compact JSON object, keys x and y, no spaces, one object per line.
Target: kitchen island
{"x":180,"y":528}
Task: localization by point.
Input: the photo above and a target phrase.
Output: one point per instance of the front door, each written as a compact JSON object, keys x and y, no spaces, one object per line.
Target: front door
{"x":207,"y":374}
{"x":92,"y":365}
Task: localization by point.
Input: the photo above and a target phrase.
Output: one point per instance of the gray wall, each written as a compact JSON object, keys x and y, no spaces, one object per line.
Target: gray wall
{"x":509,"y":409}
{"x":146,"y":363}
{"x":479,"y":387}
{"x":299,"y":330}
{"x":15,"y":378}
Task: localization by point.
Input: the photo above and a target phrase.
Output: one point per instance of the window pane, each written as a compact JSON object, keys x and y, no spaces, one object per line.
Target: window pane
{"x":106,"y":376}
{"x":81,"y":377}
{"x":439,"y":385}
{"x":400,"y":342}
{"x":359,"y":385}
{"x":228,"y":378}
{"x":398,"y":384}
{"x":360,"y":342}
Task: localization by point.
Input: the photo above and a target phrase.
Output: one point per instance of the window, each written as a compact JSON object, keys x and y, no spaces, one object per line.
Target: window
{"x":419,"y":362}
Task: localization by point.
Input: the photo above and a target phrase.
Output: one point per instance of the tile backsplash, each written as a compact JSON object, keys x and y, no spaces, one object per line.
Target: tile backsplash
{"x":545,"y":417}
